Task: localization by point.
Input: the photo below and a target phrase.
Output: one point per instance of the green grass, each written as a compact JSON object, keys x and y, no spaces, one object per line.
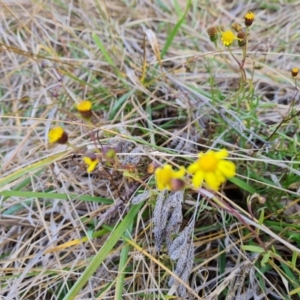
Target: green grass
{"x":162,"y":92}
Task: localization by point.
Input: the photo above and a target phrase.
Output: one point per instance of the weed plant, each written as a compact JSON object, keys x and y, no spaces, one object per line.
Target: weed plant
{"x":149,"y":150}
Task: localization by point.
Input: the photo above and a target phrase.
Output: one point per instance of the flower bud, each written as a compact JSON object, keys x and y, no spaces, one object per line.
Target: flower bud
{"x":249,"y":18}
{"x":109,"y":152}
{"x":177,"y":185}
{"x":152,"y":167}
{"x":295,"y":72}
{"x":85,"y":109}
{"x":237,"y":27}
{"x":242,"y":38}
{"x":213,"y":33}
{"x":57,"y":135}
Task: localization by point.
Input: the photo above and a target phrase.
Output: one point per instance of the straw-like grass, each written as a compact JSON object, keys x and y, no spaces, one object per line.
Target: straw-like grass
{"x":161,"y":93}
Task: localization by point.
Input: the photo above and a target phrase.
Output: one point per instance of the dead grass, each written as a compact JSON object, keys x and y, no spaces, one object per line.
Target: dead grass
{"x":55,"y":219}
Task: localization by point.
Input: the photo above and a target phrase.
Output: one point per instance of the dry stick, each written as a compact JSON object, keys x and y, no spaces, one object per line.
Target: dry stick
{"x":244,"y":77}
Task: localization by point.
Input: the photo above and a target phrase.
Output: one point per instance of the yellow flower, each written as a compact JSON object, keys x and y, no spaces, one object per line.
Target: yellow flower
{"x":249,"y":18}
{"x":85,"y":108}
{"x":295,"y":72}
{"x":57,"y":135}
{"x":212,"y":168}
{"x":165,"y":176}
{"x":228,"y":37}
{"x":91,"y":161}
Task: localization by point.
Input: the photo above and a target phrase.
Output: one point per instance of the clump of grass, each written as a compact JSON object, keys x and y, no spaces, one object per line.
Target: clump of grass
{"x":104,"y":113}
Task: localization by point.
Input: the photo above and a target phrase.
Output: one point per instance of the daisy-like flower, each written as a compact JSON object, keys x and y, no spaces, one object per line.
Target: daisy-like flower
{"x":57,"y":135}
{"x":85,"y":108}
{"x":228,"y":37}
{"x":212,"y":168}
{"x":167,"y":178}
{"x":91,"y":161}
{"x":249,"y":18}
{"x":295,"y":72}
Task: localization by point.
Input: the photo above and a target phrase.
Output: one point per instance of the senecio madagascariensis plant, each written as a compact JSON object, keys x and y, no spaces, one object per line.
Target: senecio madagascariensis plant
{"x":228,"y":37}
{"x":249,"y":18}
{"x":167,"y":178}
{"x":91,"y":161}
{"x":57,"y":135}
{"x":85,"y":108}
{"x":212,"y":168}
{"x":213,"y":33}
{"x":295,"y":72}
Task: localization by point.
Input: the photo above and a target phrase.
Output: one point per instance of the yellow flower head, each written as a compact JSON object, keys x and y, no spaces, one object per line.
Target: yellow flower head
{"x":228,"y":37}
{"x":166,"y":177}
{"x":57,"y":135}
{"x":212,"y":168}
{"x":85,"y":108}
{"x":249,"y":18}
{"x":91,"y":161}
{"x":295,"y":72}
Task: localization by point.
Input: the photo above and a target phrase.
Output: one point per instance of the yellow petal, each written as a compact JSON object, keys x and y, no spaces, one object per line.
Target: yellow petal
{"x":198,"y":179}
{"x":222,"y":154}
{"x":87,"y":160}
{"x":163,"y":176}
{"x":220,"y":177}
{"x":85,"y":105}
{"x":92,"y":166}
{"x":193,"y":168}
{"x":212,"y":181}
{"x":179,"y":174}
{"x":160,"y":185}
{"x":168,"y":186}
{"x":227,"y":168}
{"x":55,"y":134}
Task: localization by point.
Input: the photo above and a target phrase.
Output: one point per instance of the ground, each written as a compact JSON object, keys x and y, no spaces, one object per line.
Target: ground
{"x":115,"y":203}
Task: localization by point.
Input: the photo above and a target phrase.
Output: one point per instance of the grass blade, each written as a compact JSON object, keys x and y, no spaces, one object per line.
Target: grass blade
{"x":175,"y":30}
{"x":102,"y":254}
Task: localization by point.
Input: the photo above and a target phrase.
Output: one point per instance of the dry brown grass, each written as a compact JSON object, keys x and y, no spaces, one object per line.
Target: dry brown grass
{"x":41,"y":254}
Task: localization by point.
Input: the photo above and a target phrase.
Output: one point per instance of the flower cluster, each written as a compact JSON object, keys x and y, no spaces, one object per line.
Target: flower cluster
{"x":59,"y":136}
{"x":211,"y":167}
{"x":228,"y":37}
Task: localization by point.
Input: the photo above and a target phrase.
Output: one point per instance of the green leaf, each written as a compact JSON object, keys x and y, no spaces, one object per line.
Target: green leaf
{"x":255,"y":249}
{"x":55,"y":196}
{"x":103,"y":252}
{"x":265,"y":258}
{"x":102,"y":48}
{"x":31,"y":168}
{"x":243,"y":185}
{"x":122,"y":265}
{"x":175,"y":30}
{"x":119,"y":103}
